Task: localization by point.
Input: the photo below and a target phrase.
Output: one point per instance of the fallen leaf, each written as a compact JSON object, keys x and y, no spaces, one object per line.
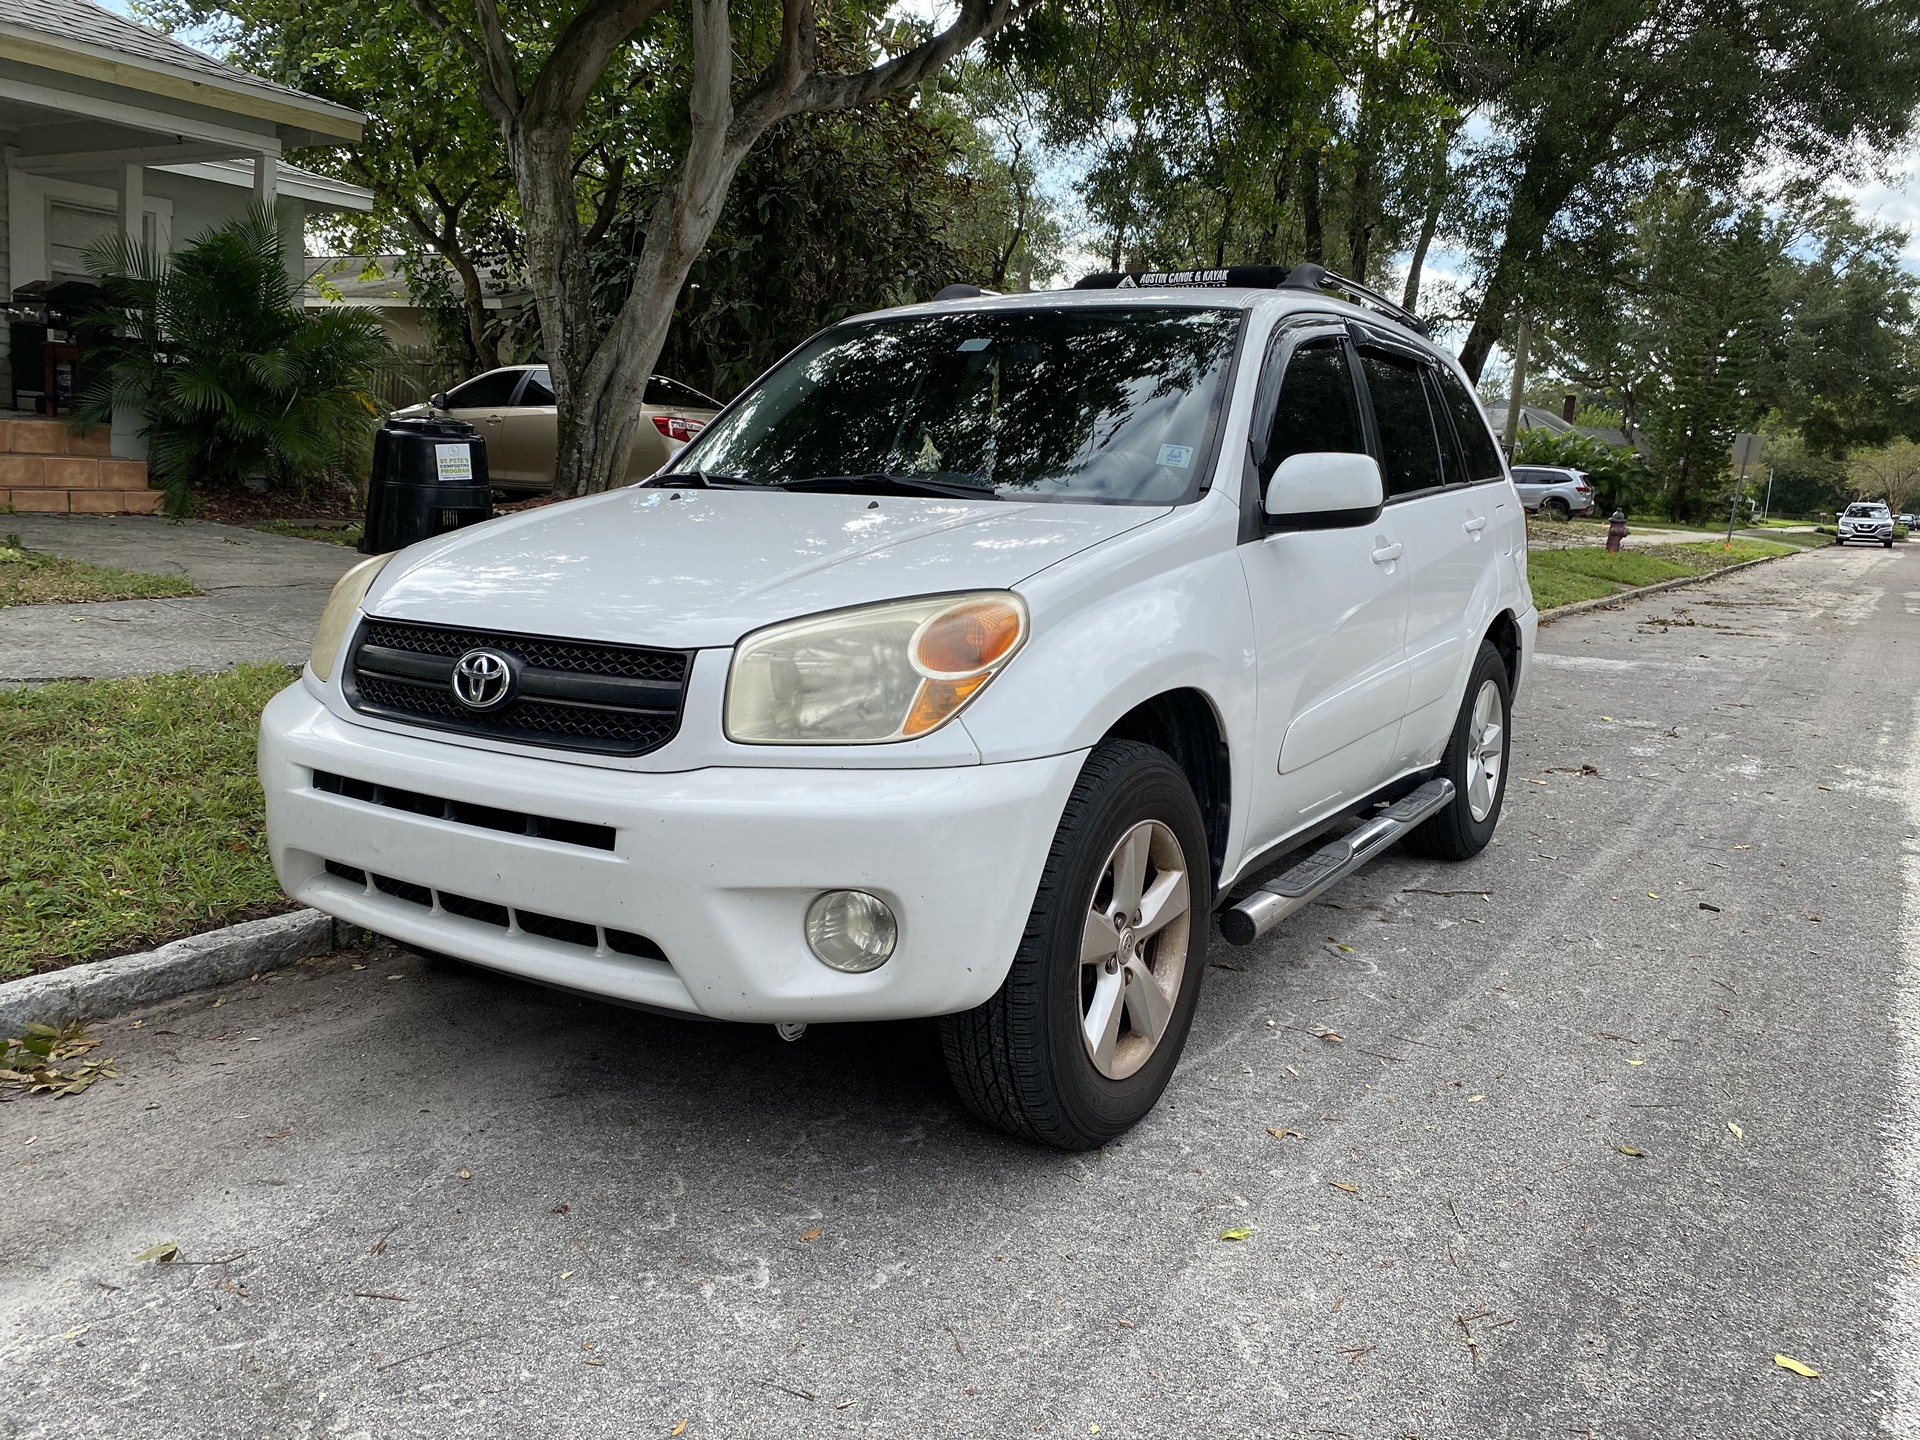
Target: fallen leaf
{"x":566,"y":1274}
{"x":1743,"y":847}
{"x":1237,"y":1233}
{"x":1126,"y":1324}
{"x":1629,"y":1150}
{"x":1607,"y":718}
{"x":1653,"y":895}
{"x":1342,"y":1185}
{"x":75,"y":1333}
{"x":1705,"y":906}
{"x":1787,"y":1362}
{"x":679,"y":1429}
{"x":813,"y":1234}
{"x":1738,"y":1133}
{"x":466,"y":1175}
{"x":1636,"y":1062}
{"x":160,"y":1254}
{"x":595,"y":1360}
{"x":1343,"y":949}
{"x":1475,"y":1099}
{"x":1284,"y":1134}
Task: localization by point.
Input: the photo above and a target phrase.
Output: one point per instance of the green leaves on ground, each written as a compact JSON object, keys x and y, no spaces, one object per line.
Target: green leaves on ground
{"x":28,"y":577}
{"x":130,"y":813}
{"x":30,"y":1064}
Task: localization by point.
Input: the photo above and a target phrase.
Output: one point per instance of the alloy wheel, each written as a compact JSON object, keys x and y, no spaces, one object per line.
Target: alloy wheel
{"x":1486,"y":750}
{"x":1133,"y":949}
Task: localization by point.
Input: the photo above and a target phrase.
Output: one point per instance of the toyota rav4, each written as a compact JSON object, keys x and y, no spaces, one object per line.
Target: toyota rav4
{"x":971,"y":664}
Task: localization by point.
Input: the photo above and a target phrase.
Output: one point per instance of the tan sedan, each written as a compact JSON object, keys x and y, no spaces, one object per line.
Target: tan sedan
{"x":513,"y":408}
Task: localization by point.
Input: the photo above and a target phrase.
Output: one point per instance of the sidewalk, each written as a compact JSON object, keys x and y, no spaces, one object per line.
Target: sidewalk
{"x":264,"y":597}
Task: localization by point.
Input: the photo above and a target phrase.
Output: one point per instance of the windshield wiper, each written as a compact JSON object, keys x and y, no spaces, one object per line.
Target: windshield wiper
{"x":704,"y":479}
{"x":878,"y":483}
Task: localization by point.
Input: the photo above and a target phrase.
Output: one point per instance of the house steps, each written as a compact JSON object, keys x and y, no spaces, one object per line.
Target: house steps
{"x":45,"y":469}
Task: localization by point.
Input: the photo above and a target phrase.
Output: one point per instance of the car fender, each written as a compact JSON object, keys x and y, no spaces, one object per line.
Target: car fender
{"x":1157,"y":609}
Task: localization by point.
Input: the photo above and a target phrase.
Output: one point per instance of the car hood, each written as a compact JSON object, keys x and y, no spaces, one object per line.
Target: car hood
{"x":692,"y":568}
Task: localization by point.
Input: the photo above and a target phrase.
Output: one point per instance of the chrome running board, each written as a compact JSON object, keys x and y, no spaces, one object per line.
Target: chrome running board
{"x":1294,"y":890}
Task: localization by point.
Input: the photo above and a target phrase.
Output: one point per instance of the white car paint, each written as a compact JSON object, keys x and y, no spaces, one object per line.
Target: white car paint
{"x":1332,"y":660}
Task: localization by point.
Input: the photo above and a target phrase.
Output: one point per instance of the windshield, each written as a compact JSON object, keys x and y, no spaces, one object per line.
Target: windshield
{"x":1064,"y":404}
{"x":1865,"y":511}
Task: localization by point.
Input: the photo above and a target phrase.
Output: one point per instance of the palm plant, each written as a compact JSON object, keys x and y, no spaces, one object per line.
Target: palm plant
{"x":234,"y":379}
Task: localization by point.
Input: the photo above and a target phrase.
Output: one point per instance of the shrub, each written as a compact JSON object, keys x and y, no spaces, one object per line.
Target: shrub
{"x":233,"y":377}
{"x":1621,"y":479}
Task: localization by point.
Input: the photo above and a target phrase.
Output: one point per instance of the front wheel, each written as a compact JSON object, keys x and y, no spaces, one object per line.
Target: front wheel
{"x":1084,"y":1033}
{"x":1476,"y":762}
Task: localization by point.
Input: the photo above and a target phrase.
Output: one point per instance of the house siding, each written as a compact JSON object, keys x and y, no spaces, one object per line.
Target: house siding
{"x":6,"y":257}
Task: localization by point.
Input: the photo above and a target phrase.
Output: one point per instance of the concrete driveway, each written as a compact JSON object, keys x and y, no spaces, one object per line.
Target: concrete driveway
{"x":264,"y":597}
{"x":1605,"y":1120}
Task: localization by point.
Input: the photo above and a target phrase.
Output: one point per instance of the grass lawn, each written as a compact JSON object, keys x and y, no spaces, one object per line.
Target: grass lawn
{"x":28,"y":577}
{"x":347,"y":534}
{"x":1561,"y":577}
{"x":129,"y":814}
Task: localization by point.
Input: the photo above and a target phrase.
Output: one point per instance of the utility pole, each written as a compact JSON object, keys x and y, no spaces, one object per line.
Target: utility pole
{"x":1766,"y":510}
{"x":1516,"y":393}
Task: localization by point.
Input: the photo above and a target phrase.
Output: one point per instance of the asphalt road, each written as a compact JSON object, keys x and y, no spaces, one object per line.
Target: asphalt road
{"x":423,"y":1201}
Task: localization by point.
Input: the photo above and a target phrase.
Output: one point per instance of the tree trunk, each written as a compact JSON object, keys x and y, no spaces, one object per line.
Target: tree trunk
{"x":473,"y":302}
{"x":1316,"y":242}
{"x":1430,"y":221}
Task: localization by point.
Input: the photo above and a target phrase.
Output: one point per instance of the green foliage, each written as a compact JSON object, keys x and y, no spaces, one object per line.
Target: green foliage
{"x":1586,"y":572}
{"x":1621,"y":479}
{"x":130,"y":813}
{"x":233,"y":377}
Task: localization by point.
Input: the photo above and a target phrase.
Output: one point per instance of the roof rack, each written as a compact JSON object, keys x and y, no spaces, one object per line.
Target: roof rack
{"x":1305,"y":276}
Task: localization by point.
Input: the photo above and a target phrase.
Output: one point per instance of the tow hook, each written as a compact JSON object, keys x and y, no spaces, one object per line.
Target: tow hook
{"x":790,"y":1030}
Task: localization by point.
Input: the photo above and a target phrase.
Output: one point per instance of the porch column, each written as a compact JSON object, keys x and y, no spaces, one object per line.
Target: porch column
{"x":266,"y":180}
{"x":128,"y":443}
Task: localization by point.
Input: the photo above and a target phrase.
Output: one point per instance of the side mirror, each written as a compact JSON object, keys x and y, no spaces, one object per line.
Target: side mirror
{"x":1324,"y":490}
{"x":438,"y":400}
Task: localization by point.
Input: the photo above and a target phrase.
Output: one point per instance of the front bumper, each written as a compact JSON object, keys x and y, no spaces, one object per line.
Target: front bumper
{"x":713,"y":868}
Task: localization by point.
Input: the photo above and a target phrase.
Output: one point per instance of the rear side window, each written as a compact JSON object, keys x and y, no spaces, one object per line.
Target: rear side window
{"x":1317,"y":410}
{"x":539,"y":389}
{"x":1409,"y":451}
{"x":1470,"y":427}
{"x":490,"y":391}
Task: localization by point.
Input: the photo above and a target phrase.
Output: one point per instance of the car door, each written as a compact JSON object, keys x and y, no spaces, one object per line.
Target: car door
{"x":1329,"y":606}
{"x":1531,"y":485}
{"x":529,"y":433}
{"x":1459,"y":538}
{"x":483,"y":402}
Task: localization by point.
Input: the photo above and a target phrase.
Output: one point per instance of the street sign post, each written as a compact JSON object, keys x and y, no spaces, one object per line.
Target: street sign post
{"x":1746,"y":452}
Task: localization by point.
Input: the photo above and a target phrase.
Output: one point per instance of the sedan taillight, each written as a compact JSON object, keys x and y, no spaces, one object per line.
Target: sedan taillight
{"x":678,"y":427}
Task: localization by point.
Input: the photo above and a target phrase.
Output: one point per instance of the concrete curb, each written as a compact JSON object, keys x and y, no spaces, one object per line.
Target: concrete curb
{"x":1607,"y":602}
{"x":108,"y":987}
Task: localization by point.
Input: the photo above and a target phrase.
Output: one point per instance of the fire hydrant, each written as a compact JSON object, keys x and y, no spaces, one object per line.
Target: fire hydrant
{"x":1616,"y":531}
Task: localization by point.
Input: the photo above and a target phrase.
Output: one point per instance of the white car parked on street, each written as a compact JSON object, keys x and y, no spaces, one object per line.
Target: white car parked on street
{"x":965,"y":666}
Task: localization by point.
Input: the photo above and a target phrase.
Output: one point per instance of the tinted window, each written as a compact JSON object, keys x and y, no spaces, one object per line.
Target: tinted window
{"x":1074,"y":403}
{"x":1469,"y":427}
{"x":1452,"y":470}
{"x":485,"y":392}
{"x":539,"y":389}
{"x":1409,"y":454}
{"x":672,"y":395}
{"x":1316,"y":410}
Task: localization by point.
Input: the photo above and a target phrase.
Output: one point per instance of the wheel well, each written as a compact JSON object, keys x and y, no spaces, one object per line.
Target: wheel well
{"x":1504,"y":636}
{"x":1182,"y":723}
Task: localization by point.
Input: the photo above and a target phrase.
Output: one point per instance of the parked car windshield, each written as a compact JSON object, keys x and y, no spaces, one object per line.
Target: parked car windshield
{"x":1865,"y":511}
{"x":1072,"y":403}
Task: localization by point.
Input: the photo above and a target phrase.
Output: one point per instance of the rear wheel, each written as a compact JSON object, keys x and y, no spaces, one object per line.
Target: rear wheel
{"x":1476,"y":762}
{"x":1085,"y":1032}
{"x":1554,"y":508}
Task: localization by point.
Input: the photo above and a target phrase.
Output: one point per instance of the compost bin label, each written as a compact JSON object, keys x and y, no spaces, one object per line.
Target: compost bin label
{"x":456,"y":464}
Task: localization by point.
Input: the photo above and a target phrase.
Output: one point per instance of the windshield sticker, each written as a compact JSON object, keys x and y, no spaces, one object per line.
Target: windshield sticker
{"x":1178,"y":456}
{"x":979,"y":342}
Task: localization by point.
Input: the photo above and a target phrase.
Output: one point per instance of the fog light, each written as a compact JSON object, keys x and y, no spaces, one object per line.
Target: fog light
{"x":851,"y":930}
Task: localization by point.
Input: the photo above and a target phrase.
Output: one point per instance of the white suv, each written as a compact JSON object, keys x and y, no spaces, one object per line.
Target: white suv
{"x":1866,"y":520}
{"x":964,"y":667}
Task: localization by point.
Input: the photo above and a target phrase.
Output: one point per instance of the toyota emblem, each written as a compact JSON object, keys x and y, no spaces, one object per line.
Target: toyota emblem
{"x":483,"y":679}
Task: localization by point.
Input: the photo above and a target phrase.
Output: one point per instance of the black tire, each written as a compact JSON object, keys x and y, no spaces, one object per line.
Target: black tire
{"x":1020,"y":1061}
{"x":1886,"y":544}
{"x":1554,"y":508}
{"x":1454,"y":833}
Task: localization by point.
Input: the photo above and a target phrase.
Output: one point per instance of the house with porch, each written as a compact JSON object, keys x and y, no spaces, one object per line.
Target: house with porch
{"x":107,"y":126}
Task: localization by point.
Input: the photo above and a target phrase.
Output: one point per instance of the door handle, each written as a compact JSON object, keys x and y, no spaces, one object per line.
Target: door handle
{"x":1476,"y":525}
{"x":495,"y":419}
{"x":1387,"y":554}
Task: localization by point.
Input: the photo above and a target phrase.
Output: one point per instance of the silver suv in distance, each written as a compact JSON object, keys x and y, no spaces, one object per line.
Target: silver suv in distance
{"x":1867,"y":520}
{"x":1554,"y":491}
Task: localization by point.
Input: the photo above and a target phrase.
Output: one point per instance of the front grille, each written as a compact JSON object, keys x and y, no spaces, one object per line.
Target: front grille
{"x":461,"y":812}
{"x":570,"y":694}
{"x":531,"y":922}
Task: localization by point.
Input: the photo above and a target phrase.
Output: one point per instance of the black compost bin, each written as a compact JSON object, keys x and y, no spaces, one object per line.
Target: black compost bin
{"x":429,"y":476}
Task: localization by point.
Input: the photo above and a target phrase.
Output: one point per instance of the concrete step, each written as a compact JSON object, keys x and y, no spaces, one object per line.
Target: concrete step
{"x":46,"y":469}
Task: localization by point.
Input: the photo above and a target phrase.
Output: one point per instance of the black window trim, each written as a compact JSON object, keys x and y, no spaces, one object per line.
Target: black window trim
{"x":1290,"y":332}
{"x":1459,"y":445}
{"x":1419,"y":360}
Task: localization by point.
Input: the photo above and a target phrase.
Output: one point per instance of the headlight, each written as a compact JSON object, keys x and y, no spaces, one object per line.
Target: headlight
{"x":868,"y":676}
{"x":342,"y":606}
